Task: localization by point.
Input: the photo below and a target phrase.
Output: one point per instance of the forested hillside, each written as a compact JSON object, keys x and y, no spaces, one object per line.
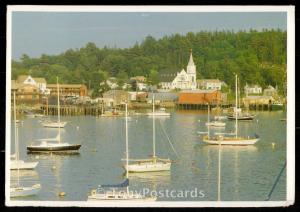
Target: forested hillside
{"x":258,"y":57}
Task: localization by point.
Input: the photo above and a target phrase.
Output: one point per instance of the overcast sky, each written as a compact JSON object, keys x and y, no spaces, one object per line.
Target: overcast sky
{"x":36,"y":33}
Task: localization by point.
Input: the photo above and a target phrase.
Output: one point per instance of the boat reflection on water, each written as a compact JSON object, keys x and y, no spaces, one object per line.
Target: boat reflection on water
{"x":24,"y":173}
{"x":150,"y":177}
{"x":227,"y":148}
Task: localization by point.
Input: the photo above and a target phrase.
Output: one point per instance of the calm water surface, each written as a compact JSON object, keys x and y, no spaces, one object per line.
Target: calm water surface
{"x":247,"y":173}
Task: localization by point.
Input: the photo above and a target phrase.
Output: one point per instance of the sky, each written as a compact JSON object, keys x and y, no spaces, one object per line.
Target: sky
{"x":51,"y":33}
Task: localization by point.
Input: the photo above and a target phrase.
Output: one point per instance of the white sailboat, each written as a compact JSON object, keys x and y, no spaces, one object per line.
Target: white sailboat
{"x":231,"y":140}
{"x":18,"y":190}
{"x":237,"y":111}
{"x":119,"y":195}
{"x":16,"y":163}
{"x":152,"y":164}
{"x":160,"y":112}
{"x":213,"y":123}
{"x":47,"y":144}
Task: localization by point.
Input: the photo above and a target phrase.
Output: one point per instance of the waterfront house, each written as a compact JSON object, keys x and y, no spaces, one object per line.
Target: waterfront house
{"x":175,"y":79}
{"x":68,"y":90}
{"x":210,"y":84}
{"x":256,"y":102}
{"x":119,"y":96}
{"x":25,"y":93}
{"x":198,"y":98}
{"x":38,"y":82}
{"x":252,"y":89}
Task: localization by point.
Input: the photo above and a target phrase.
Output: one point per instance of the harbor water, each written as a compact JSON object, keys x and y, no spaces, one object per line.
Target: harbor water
{"x":247,"y":173}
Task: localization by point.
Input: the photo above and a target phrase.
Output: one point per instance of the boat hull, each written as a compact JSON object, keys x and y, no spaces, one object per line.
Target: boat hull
{"x":25,"y":191}
{"x":215,"y":124}
{"x":148,"y":167}
{"x":21,"y":165}
{"x":245,"y":118}
{"x":54,"y":124}
{"x":61,"y":148}
{"x":119,"y":196}
{"x":231,"y":142}
{"x":159,"y":114}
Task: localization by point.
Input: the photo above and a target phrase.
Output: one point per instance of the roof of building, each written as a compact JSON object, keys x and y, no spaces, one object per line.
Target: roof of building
{"x":199,"y":91}
{"x":252,"y":86}
{"x":22,"y":78}
{"x":65,"y":85}
{"x":270,"y":87}
{"x":138,"y":78}
{"x":167,"y":75}
{"x":40,"y":80}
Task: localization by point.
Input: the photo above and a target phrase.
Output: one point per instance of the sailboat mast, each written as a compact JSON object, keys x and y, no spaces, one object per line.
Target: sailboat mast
{"x":126,"y":138}
{"x":219,"y":173}
{"x":15,"y":124}
{"x":58,"y":109}
{"x":16,"y":137}
{"x":208,"y":119}
{"x":236,"y":122}
{"x":153,"y":122}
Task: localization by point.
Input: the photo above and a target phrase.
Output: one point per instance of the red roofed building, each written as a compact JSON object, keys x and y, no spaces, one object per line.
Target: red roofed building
{"x":199,"y":97}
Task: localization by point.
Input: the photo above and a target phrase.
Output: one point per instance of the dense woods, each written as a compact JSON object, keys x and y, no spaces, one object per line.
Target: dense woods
{"x":256,"y":56}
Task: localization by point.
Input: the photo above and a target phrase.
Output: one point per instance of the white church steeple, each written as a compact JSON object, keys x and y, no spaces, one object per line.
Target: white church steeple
{"x":191,"y":71}
{"x":191,"y":61}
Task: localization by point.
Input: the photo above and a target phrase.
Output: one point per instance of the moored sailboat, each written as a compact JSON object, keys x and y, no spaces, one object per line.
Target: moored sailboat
{"x":47,"y":144}
{"x":231,"y":140}
{"x":113,"y":192}
{"x":18,"y":190}
{"x":15,"y":162}
{"x":213,"y":123}
{"x":150,"y":164}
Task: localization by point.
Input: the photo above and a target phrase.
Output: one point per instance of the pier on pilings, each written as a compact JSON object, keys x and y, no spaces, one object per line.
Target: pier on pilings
{"x":72,"y":110}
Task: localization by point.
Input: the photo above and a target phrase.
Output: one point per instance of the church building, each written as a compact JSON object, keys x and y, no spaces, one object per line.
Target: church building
{"x":184,"y":80}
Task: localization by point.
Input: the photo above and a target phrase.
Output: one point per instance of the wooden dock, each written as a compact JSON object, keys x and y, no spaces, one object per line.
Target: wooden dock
{"x":72,"y":110}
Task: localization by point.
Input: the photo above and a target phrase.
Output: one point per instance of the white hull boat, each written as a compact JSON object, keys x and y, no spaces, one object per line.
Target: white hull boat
{"x":21,"y":165}
{"x":149,"y":166}
{"x":124,"y":194}
{"x":215,"y":124}
{"x":158,"y":113}
{"x":25,"y":191}
{"x":118,"y":196}
{"x":220,"y":118}
{"x":233,"y":141}
{"x":54,"y":124}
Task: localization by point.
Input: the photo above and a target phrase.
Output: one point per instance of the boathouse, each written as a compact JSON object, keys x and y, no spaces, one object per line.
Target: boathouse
{"x":198,"y":99}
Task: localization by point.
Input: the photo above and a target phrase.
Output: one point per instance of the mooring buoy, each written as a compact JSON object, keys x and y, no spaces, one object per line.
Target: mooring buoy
{"x":62,"y":194}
